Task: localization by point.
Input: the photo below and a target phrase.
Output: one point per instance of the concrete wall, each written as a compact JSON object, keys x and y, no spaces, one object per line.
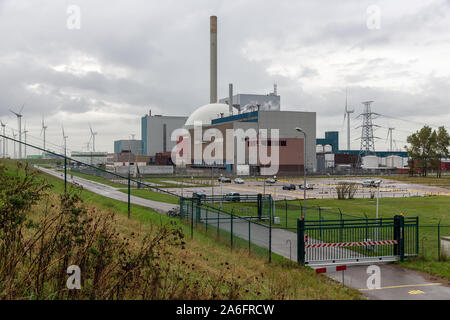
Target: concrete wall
{"x":145,"y":170}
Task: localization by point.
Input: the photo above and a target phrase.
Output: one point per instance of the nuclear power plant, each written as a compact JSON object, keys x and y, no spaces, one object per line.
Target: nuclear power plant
{"x":299,"y":148}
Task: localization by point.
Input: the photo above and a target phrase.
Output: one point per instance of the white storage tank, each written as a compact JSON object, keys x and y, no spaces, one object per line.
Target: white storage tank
{"x":329,"y":160}
{"x":370,"y":162}
{"x":319,"y":148}
{"x":395,"y":162}
{"x":327,"y":148}
{"x":383,"y":162}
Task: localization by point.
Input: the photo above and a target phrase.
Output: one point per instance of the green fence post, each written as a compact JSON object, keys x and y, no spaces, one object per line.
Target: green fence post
{"x":285,"y":202}
{"x":439,"y":240}
{"x":259,"y":206}
{"x":181,"y":208}
{"x":198,"y":211}
{"x":129,"y":195}
{"x":206,"y":220}
{"x":192,"y":220}
{"x":417,"y":236}
{"x":301,"y":241}
{"x":399,"y":232}
{"x":249,"y":236}
{"x":65,"y":173}
{"x":320,"y":222}
{"x":270,"y":229}
{"x":231,"y":236}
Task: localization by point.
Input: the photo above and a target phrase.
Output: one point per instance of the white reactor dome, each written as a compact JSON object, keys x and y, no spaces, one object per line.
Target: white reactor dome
{"x":210,"y":111}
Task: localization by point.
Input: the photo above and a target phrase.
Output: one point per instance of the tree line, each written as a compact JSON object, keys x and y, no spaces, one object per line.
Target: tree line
{"x":427,"y":148}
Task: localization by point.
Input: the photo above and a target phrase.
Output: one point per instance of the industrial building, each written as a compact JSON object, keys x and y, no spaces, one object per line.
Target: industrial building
{"x":134,"y":146}
{"x":156,"y":132}
{"x":291,"y":156}
{"x":330,"y":156}
{"x":90,"y":158}
{"x":252,"y":102}
{"x":252,"y":111}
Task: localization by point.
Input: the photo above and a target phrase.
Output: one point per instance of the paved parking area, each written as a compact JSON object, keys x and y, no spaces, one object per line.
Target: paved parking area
{"x":322,"y":189}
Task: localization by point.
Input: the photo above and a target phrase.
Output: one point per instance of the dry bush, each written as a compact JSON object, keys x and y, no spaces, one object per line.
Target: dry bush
{"x":35,"y":253}
{"x":346,"y":190}
{"x":42,"y":234}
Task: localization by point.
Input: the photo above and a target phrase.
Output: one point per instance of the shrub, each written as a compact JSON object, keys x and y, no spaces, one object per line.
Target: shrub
{"x":346,"y":190}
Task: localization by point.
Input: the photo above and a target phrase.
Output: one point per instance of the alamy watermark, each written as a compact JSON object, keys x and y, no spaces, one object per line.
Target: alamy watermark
{"x":74,"y":280}
{"x":373,"y":20}
{"x":374,"y":280}
{"x":73,"y":17}
{"x":237,"y":147}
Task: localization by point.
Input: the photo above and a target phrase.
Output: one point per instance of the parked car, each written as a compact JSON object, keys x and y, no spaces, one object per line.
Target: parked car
{"x":224,"y":180}
{"x":233,"y":196}
{"x":199,"y":194}
{"x":371,"y":183}
{"x":308,"y":186}
{"x":239,"y":181}
{"x":271,"y":180}
{"x":289,"y":186}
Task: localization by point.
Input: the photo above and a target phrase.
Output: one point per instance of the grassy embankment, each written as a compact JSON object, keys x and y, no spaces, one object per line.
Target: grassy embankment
{"x":204,"y":268}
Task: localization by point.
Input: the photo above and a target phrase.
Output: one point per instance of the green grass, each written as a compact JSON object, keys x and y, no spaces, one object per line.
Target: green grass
{"x":161,"y":182}
{"x":153,"y":195}
{"x":96,"y":179}
{"x":282,"y":279}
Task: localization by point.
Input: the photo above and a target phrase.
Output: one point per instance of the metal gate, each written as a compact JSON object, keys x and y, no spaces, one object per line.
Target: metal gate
{"x":353,"y":241}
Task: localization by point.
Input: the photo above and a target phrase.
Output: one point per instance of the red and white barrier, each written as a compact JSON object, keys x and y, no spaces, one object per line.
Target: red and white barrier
{"x":350,"y":244}
{"x":331,"y":269}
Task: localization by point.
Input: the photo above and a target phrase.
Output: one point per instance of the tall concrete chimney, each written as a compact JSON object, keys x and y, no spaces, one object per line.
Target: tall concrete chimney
{"x":230,"y":98}
{"x":213,"y":59}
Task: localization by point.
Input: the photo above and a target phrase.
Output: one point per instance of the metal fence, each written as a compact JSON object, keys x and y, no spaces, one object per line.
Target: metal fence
{"x":430,"y":246}
{"x":289,"y":211}
{"x":239,"y":233}
{"x":357,"y":240}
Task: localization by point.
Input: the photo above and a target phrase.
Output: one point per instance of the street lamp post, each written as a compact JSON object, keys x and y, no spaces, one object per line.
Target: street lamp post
{"x":378,"y":196}
{"x":304,"y":168}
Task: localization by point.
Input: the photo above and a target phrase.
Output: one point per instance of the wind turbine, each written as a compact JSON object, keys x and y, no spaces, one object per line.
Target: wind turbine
{"x":44,"y":127}
{"x":347,"y":114}
{"x":14,"y":137}
{"x":93,"y":134}
{"x":19,"y":119}
{"x":25,"y":131}
{"x":390,"y":134}
{"x":65,"y":140}
{"x":4,"y":139}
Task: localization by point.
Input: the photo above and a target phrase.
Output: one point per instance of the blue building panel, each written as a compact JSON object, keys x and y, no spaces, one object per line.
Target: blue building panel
{"x":144,"y":134}
{"x":248,"y":116}
{"x":331,"y":138}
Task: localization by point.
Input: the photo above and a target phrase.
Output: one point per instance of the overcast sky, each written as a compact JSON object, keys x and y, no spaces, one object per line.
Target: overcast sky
{"x":131,"y":56}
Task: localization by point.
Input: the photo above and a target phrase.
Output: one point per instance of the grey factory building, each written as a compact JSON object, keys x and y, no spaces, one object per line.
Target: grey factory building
{"x":156,"y":132}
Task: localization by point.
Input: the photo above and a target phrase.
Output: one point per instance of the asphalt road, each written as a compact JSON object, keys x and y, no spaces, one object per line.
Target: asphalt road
{"x":322,"y":189}
{"x":111,"y":192}
{"x":397,"y":283}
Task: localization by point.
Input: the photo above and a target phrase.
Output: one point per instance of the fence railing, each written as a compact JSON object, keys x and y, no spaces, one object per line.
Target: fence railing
{"x":244,"y":233}
{"x":355,"y":240}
